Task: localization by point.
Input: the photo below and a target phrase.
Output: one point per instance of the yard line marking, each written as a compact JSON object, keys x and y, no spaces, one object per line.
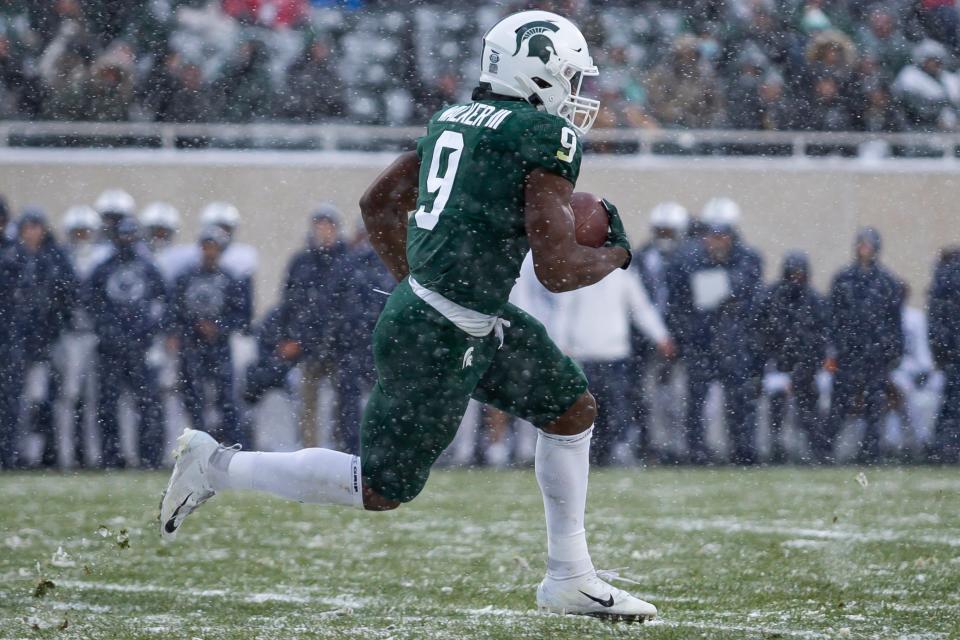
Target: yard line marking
{"x":353,"y":602}
{"x":710,"y":626}
{"x":741,"y":526}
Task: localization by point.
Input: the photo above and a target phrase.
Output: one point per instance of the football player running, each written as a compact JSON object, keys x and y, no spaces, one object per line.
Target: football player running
{"x":453,"y":220}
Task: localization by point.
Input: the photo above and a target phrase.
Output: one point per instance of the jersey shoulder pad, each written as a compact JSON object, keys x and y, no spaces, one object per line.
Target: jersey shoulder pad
{"x":548,"y":142}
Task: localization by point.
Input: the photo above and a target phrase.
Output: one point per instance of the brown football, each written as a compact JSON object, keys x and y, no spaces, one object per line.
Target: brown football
{"x":590,"y":219}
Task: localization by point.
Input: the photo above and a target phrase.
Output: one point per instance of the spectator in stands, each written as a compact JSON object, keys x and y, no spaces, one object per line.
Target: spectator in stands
{"x":882,"y":39}
{"x":712,"y":289}
{"x":743,"y":96}
{"x":125,"y":297}
{"x":683,"y":90}
{"x":314,"y":295}
{"x":930,"y":94}
{"x":776,"y":110}
{"x":593,"y":327}
{"x":765,"y":30}
{"x":207,"y":306}
{"x":243,"y":91}
{"x":42,"y":293}
{"x":66,"y":72}
{"x":110,"y":87}
{"x":368,"y":283}
{"x":272,"y":14}
{"x":944,"y":331}
{"x":827,"y":109}
{"x":668,"y":228}
{"x":940,"y":19}
{"x":177,"y":92}
{"x":19,"y":89}
{"x":878,"y":111}
{"x":314,"y":91}
{"x":791,"y":328}
{"x":443,"y":90}
{"x":867,"y":335}
{"x":830,"y":58}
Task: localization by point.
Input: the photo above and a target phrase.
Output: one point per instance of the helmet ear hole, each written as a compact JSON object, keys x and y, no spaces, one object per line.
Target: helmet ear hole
{"x":540,"y":82}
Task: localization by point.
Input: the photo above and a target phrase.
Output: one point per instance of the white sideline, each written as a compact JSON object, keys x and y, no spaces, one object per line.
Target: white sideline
{"x":740,"y":526}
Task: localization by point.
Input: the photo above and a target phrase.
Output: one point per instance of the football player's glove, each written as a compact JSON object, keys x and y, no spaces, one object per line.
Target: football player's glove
{"x":617,"y":236}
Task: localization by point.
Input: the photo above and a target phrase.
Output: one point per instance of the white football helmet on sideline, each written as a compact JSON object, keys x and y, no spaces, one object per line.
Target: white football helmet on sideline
{"x":81,"y":217}
{"x":116,"y":202}
{"x":721,"y":212}
{"x":542,"y":58}
{"x":670,"y":215}
{"x":222,"y":214}
{"x":160,"y":214}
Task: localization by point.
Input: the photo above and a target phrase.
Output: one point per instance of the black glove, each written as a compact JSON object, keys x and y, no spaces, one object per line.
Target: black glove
{"x":617,"y":236}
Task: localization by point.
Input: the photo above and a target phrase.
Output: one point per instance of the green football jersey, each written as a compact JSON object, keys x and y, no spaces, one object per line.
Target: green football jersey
{"x":467,"y":239}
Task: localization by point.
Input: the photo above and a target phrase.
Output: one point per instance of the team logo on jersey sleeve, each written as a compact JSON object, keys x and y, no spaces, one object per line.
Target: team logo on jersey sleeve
{"x":540,"y":46}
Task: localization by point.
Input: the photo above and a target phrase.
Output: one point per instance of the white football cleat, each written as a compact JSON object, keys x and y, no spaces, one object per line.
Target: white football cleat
{"x":592,"y":596}
{"x":189,"y":485}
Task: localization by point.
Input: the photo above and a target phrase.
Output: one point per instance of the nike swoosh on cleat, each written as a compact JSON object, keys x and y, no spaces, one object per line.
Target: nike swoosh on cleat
{"x":603,"y":603}
{"x":171,"y":527}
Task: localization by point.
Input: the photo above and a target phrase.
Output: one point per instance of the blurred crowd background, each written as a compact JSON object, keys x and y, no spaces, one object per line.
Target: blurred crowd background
{"x":819,"y":65}
{"x":115,"y":333}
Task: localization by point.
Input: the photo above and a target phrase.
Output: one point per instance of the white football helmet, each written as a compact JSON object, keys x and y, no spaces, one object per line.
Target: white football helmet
{"x":542,"y":58}
{"x":115,"y":202}
{"x":220,"y":213}
{"x":161,"y":214}
{"x":721,"y":212}
{"x":81,"y":217}
{"x":670,"y":215}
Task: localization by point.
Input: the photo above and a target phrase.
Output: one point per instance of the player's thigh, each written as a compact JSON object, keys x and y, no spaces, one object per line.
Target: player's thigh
{"x":529,"y":376}
{"x":426,"y":370}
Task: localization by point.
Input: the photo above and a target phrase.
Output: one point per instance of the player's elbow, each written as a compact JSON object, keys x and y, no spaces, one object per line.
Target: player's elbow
{"x":555,"y":283}
{"x":550,"y":274}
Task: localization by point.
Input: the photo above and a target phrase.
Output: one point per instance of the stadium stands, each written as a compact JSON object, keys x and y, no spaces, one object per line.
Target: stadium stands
{"x":815,"y":65}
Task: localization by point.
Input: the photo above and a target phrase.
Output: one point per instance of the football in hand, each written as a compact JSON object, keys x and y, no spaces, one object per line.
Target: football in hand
{"x":590,"y":219}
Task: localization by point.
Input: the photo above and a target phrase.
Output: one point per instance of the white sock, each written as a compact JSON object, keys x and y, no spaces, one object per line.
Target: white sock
{"x":562,"y":465}
{"x":318,"y":476}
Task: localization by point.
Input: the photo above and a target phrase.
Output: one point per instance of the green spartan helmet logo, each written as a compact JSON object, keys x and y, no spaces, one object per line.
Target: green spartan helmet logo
{"x":540,"y":45}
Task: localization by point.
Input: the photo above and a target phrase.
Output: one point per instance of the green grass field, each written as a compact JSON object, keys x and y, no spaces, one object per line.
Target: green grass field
{"x":783,"y":553}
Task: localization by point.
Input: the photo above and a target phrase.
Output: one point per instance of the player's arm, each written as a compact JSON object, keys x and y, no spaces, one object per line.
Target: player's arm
{"x":559,"y":262}
{"x":385,"y":207}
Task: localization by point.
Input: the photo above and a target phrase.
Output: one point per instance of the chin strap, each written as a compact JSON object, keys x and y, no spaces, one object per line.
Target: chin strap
{"x":534,"y":97}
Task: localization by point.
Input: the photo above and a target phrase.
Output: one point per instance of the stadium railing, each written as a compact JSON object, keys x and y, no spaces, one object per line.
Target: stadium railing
{"x":332,"y":137}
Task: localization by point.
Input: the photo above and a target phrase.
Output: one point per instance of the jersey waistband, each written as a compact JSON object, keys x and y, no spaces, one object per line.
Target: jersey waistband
{"x":474,"y":323}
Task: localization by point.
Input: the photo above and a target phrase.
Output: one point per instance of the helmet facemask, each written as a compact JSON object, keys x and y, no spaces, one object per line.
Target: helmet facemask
{"x":580,"y":112}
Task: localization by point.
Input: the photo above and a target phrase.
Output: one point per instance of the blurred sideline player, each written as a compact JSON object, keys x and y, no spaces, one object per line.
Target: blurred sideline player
{"x":669,"y":222}
{"x":75,"y":354}
{"x":160,"y":222}
{"x":491,"y":179}
{"x":241,"y":261}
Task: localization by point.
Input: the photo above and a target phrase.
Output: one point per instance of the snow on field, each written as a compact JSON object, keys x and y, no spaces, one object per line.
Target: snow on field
{"x":724,"y":554}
